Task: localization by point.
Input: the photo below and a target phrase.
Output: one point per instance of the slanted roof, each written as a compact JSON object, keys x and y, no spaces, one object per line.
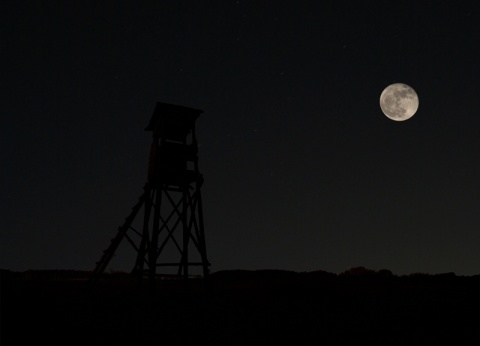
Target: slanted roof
{"x":174,"y":122}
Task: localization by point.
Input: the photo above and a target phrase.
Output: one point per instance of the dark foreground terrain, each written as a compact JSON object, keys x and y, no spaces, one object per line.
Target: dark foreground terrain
{"x":243,"y":308}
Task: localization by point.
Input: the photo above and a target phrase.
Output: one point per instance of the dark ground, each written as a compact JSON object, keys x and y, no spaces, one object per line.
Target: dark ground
{"x":244,"y":308}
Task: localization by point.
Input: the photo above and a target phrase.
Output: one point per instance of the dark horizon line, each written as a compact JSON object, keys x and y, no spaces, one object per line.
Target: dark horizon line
{"x":359,"y":271}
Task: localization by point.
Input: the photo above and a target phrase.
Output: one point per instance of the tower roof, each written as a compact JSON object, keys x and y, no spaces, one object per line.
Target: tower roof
{"x":172,"y":121}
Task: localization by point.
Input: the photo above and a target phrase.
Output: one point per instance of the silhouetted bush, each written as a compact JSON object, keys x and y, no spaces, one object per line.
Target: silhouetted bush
{"x":362,"y":272}
{"x":358,"y":272}
{"x":384,"y":273}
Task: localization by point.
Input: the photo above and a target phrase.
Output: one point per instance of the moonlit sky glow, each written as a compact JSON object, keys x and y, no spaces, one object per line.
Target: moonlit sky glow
{"x":302,"y":170}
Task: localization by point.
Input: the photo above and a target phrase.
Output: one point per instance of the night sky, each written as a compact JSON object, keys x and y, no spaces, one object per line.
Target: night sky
{"x":302,"y":169}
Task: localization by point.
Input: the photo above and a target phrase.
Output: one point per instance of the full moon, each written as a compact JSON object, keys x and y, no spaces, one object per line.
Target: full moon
{"x":399,"y":102}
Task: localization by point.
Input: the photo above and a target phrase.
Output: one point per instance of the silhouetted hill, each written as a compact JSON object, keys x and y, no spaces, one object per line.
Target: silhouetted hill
{"x":240,"y":307}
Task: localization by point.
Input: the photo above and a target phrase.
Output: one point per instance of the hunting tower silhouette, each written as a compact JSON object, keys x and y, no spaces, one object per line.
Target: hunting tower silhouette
{"x":171,"y":201}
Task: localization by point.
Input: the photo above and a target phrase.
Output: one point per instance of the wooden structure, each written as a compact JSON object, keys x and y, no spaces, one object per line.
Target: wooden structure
{"x":171,"y":201}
